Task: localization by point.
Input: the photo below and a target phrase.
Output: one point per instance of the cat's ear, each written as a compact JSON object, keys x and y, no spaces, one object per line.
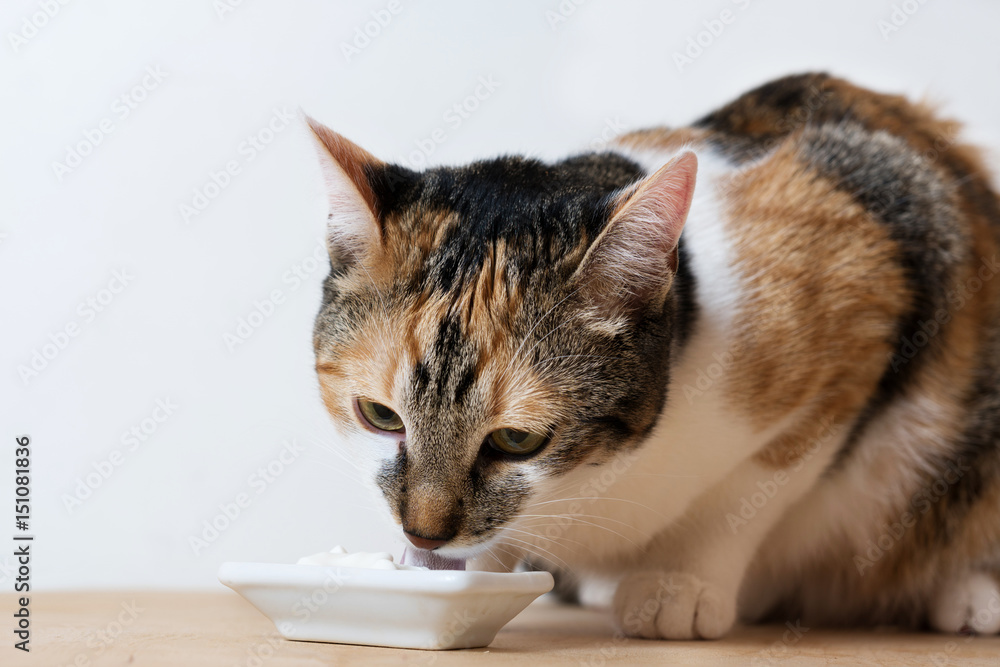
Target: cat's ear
{"x":354,"y":230}
{"x":631,"y":265}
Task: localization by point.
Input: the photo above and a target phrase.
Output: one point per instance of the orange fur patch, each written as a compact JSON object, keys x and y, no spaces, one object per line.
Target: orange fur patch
{"x":662,"y":138}
{"x":824,"y":293}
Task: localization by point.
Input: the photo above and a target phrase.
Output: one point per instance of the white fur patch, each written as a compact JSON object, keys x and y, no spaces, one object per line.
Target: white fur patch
{"x":971,"y":602}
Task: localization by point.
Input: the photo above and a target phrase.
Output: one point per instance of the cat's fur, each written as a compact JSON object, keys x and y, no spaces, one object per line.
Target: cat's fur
{"x":792,"y":409}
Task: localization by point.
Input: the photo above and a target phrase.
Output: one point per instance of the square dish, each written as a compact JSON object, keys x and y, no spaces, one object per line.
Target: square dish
{"x":423,"y":609}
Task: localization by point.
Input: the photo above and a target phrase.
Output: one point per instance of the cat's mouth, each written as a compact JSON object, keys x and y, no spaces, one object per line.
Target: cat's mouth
{"x":449,"y":554}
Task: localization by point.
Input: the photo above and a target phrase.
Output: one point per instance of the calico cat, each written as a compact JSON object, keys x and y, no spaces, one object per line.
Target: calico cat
{"x":746,"y":369}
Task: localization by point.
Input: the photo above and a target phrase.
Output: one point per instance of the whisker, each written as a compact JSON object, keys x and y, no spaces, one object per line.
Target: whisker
{"x":579,"y":515}
{"x":337,"y":469}
{"x":541,"y":319}
{"x":552,"y":331}
{"x":535,"y":549}
{"x":552,"y":523}
{"x":378,"y":293}
{"x":597,"y":525}
{"x":505,"y":375}
{"x":595,"y":498}
{"x":489,"y":552}
{"x":516,"y":556}
{"x":531,"y":550}
{"x":572,"y":356}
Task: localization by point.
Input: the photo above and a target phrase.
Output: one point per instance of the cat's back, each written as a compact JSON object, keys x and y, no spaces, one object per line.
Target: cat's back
{"x":882,"y":150}
{"x":852,"y":218}
{"x":865,"y":236}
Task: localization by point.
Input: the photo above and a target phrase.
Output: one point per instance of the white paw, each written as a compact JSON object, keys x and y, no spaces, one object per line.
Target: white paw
{"x":968,"y":603}
{"x":672,"y":605}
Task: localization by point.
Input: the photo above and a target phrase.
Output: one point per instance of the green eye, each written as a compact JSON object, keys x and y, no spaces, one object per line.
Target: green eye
{"x":379,"y":416}
{"x":516,"y":443}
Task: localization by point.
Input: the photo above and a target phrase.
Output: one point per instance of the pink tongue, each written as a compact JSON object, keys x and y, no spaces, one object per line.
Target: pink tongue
{"x":430,"y":560}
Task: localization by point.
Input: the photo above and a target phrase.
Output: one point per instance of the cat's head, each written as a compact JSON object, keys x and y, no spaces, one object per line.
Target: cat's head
{"x":486,"y":329}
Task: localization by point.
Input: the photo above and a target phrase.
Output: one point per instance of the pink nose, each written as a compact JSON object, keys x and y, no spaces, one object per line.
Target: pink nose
{"x":423,"y":542}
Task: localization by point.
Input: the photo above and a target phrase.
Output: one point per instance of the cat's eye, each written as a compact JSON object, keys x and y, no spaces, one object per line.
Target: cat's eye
{"x":379,"y":416}
{"x":516,"y":443}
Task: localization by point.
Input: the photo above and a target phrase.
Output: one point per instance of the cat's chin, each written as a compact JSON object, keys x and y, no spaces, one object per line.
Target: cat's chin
{"x":432,"y":560}
{"x":481,"y":556}
{"x":451,"y":552}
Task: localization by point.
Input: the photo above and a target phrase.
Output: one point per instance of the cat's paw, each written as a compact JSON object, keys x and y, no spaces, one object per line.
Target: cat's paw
{"x":673,"y":605}
{"x":970,"y":603}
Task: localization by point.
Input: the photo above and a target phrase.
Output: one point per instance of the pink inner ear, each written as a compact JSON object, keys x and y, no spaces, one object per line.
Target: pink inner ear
{"x":659,"y":206}
{"x":353,"y":160}
{"x":634,"y":259}
{"x":353,"y":228}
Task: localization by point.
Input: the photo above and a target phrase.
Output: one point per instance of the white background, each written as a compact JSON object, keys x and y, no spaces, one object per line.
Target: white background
{"x":561,"y":85}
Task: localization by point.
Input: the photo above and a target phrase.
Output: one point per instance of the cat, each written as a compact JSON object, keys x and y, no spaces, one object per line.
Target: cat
{"x":744,"y":370}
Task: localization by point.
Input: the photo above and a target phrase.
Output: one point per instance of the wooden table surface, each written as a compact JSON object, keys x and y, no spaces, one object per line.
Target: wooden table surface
{"x":220,"y":629}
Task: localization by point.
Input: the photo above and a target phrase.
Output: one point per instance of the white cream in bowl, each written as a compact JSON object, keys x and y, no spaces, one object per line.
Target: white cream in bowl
{"x":339,"y":557}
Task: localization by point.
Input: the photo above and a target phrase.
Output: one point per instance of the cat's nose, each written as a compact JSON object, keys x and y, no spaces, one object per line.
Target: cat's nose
{"x":425,"y":542}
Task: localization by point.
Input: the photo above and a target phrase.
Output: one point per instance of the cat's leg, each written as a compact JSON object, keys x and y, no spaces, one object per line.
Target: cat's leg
{"x":969,"y":602}
{"x":686,"y":584}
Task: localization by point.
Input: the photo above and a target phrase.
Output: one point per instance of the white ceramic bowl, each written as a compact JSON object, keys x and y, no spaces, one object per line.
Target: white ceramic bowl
{"x":426,"y":609}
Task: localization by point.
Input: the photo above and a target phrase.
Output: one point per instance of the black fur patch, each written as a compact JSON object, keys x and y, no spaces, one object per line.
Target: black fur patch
{"x":750,"y":126}
{"x":903,"y":192}
{"x":535,"y":208}
{"x":685,"y":306}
